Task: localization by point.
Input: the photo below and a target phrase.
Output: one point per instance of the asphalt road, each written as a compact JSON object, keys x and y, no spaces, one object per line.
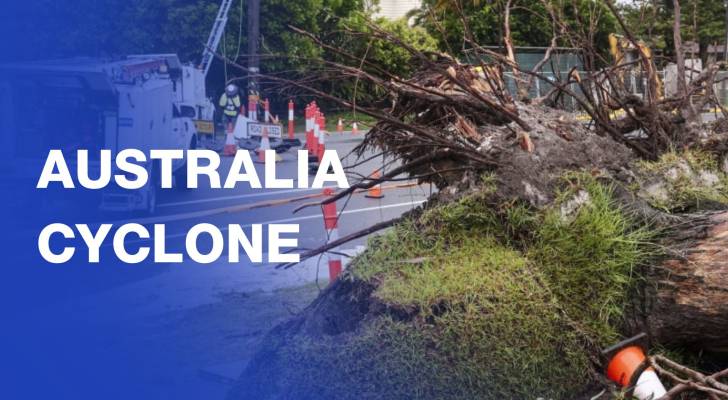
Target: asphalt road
{"x":173,"y":286}
{"x":194,"y":326}
{"x":181,"y":209}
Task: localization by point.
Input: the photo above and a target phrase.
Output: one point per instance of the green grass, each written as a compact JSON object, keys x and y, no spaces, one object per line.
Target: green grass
{"x":482,"y":301}
{"x":480,"y":324}
{"x":592,"y":259}
{"x":681,"y":174}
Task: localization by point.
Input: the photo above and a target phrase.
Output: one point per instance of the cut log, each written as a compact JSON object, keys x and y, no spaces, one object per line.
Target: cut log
{"x":687,"y":297}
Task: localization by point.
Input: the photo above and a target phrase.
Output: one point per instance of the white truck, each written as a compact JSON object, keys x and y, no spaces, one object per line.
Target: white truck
{"x":143,"y":102}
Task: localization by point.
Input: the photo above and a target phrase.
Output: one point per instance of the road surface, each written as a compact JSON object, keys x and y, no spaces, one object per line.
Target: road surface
{"x":187,"y":330}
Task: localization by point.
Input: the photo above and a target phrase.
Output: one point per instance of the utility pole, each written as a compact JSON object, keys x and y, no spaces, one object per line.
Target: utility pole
{"x":253,"y":44}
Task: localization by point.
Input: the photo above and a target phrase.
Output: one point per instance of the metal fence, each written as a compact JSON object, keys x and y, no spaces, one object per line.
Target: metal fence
{"x":540,"y":88}
{"x":635,"y":83}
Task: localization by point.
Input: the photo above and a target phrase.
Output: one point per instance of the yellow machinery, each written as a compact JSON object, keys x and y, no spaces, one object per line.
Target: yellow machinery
{"x":623,"y":51}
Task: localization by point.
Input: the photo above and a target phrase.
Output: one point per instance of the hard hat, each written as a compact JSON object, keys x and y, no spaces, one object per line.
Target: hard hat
{"x":231,"y":90}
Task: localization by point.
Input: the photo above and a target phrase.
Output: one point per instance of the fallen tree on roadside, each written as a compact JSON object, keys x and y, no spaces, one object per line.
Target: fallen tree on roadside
{"x":548,"y":240}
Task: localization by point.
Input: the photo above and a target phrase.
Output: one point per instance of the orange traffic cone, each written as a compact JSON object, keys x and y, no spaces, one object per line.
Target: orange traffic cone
{"x":626,"y":368}
{"x":375,"y":192}
{"x":290,"y":119}
{"x":331,"y":223}
{"x":230,"y":146}
{"x":354,"y":128}
{"x":340,"y":126}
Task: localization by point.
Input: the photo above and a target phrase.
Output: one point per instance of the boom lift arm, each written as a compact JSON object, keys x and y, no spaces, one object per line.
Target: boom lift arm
{"x":218,"y":28}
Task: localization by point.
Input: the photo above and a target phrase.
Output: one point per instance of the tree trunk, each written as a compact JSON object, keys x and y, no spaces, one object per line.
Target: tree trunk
{"x":682,"y":87}
{"x":510,"y":53}
{"x":687,"y":297}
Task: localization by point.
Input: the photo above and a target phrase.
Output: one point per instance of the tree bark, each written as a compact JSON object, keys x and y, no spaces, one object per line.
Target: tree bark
{"x":687,"y":296}
{"x":510,"y":53}
{"x":682,"y":86}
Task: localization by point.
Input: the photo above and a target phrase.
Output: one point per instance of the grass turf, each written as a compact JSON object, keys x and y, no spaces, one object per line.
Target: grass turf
{"x":479,"y":300}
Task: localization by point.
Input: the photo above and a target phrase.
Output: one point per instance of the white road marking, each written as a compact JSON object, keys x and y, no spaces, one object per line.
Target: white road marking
{"x":240,"y":196}
{"x":288,"y":220}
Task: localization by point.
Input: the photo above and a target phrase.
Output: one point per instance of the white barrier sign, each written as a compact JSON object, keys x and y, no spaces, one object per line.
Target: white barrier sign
{"x":256,"y":129}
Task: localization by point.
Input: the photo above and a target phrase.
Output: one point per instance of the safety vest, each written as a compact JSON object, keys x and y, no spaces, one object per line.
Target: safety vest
{"x":230,"y":105}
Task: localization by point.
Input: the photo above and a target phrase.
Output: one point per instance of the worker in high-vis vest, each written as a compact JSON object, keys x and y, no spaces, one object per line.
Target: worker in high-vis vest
{"x":230,"y":103}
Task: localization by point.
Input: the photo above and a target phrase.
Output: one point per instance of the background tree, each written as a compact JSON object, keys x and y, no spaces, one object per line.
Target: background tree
{"x":530,"y":22}
{"x":359,"y":35}
{"x":48,"y":29}
{"x":702,"y":22}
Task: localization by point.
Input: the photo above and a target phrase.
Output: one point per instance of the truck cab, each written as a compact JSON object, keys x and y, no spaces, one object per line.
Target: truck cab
{"x":135,"y":102}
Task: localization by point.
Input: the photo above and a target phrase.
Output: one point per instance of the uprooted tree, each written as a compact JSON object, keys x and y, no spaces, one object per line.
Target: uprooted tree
{"x":549,"y":238}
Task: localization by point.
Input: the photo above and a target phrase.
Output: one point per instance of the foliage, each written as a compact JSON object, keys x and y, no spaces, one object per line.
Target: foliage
{"x":394,"y":58}
{"x":530,"y":22}
{"x":315,"y":16}
{"x":119,"y":27}
{"x":114,"y":28}
{"x":702,"y":22}
{"x":356,"y":35}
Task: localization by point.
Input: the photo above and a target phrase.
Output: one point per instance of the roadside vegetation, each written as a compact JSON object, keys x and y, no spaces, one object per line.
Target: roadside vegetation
{"x":685,"y":181}
{"x":475,"y":301}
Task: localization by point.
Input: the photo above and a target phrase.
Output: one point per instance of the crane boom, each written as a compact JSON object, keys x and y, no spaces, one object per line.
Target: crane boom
{"x":218,"y":27}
